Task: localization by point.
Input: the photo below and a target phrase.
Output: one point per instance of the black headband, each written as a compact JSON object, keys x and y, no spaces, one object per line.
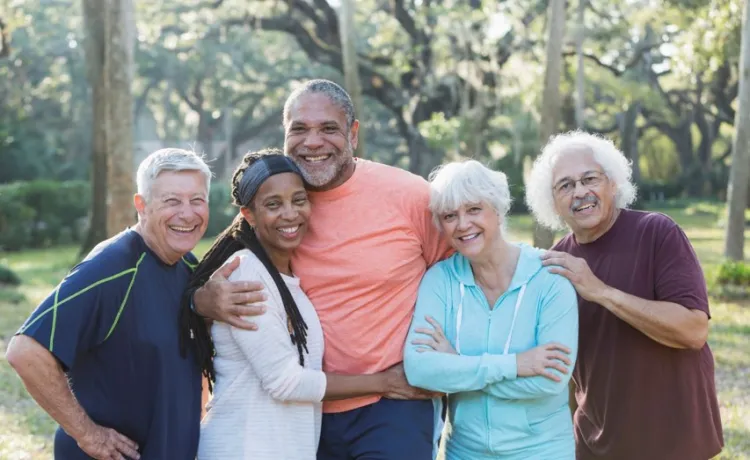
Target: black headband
{"x":258,"y":172}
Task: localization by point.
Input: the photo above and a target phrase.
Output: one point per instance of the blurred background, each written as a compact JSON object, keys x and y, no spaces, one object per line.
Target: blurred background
{"x":88,"y":88}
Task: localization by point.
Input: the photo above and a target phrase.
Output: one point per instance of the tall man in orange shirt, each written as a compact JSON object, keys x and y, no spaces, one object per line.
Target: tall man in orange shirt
{"x":369,"y":243}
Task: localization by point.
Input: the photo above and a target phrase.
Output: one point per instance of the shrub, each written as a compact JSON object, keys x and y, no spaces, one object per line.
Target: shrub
{"x":7,"y":276}
{"x":732,"y":280}
{"x":42,"y":213}
{"x":221,"y":209}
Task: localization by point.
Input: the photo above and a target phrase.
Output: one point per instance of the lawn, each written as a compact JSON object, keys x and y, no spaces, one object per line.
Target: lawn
{"x":26,"y":431}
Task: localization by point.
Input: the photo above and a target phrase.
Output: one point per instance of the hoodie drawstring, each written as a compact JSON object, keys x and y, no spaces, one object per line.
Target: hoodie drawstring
{"x":460,"y":314}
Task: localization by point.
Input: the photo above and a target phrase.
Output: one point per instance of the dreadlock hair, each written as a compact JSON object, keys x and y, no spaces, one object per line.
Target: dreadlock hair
{"x":238,"y":236}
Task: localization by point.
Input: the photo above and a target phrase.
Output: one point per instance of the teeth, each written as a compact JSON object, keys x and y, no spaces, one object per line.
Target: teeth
{"x":182,"y":229}
{"x":585,"y":207}
{"x":468,"y":237}
{"x":317,"y":158}
{"x":289,"y":229}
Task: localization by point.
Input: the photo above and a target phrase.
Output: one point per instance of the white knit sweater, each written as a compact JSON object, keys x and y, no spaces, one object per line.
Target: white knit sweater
{"x":265,"y":405}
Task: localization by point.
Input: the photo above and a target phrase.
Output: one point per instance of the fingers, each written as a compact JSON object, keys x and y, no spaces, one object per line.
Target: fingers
{"x":551,"y":254}
{"x":126,"y":446}
{"x":226,"y":270}
{"x":435,"y":324}
{"x":425,"y":342}
{"x":547,"y":374}
{"x":552,"y":346}
{"x":248,"y":310}
{"x":561,"y":271}
{"x":557,"y":365}
{"x":556,"y":261}
{"x":555,"y":355}
{"x":240,"y":323}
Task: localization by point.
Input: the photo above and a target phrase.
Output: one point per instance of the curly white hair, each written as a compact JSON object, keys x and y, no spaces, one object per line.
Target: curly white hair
{"x":539,"y":194}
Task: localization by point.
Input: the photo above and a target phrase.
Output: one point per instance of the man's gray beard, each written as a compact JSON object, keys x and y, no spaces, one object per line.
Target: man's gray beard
{"x":324,"y":178}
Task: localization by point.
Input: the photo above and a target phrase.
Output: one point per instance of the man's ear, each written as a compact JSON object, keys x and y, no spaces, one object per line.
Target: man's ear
{"x":354,"y":134}
{"x":139,"y":201}
{"x":248,"y":215}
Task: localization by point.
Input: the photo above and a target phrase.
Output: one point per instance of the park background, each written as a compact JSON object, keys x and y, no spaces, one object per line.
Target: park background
{"x":89,"y":87}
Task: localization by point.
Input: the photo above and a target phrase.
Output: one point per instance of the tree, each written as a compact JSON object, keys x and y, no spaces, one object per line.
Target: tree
{"x":551,"y":103}
{"x":351,"y":68}
{"x":110,"y":37}
{"x":740,"y":172}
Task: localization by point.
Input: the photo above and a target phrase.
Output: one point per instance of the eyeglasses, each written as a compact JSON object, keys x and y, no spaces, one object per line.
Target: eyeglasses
{"x":589,"y":180}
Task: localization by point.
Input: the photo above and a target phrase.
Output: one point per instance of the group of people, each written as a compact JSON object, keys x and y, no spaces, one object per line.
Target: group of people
{"x":350,"y":300}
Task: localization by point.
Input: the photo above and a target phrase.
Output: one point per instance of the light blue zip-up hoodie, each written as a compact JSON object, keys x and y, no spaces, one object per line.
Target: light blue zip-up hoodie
{"x":493,"y":413}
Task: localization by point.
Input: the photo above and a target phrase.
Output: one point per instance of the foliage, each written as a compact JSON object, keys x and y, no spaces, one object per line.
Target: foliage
{"x":42,"y":213}
{"x":8,"y":276}
{"x":732,"y":280}
{"x":221,"y":210}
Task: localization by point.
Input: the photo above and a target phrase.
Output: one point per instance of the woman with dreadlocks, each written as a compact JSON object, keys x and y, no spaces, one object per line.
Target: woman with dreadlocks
{"x":268,"y":383}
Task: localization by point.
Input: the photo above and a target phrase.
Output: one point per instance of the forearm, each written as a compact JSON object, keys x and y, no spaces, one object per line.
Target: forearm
{"x":351,"y":386}
{"x":450,"y":373}
{"x":667,"y":323}
{"x":46,"y":382}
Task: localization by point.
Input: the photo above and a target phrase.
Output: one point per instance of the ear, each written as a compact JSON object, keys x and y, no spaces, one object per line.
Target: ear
{"x":354,"y":134}
{"x":139,"y":201}
{"x":248,"y":215}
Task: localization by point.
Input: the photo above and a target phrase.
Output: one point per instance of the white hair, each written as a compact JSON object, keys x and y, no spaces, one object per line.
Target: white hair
{"x":458,"y":183}
{"x":539,"y":193}
{"x":169,"y":159}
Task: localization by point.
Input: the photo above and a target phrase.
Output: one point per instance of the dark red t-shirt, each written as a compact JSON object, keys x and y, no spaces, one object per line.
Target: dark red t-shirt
{"x":639,"y":400}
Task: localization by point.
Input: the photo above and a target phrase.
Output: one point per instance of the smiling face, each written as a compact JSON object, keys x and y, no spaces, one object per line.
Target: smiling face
{"x":472,"y":229}
{"x":584,"y":195}
{"x":318,"y":140}
{"x":279,"y":213}
{"x":175,"y":216}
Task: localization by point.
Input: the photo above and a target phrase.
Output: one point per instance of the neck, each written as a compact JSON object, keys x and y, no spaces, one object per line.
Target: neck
{"x":589,"y":235}
{"x":347,"y":171}
{"x":282,"y":260}
{"x":497,"y":268}
{"x":169,"y":259}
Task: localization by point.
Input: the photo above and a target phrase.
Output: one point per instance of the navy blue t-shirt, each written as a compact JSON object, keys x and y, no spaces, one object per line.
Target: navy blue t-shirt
{"x":113,"y":325}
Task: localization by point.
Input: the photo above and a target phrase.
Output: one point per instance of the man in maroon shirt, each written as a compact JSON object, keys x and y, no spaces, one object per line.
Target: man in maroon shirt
{"x":645,"y":374}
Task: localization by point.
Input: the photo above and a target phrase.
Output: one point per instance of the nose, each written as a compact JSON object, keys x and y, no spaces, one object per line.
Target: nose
{"x":463,"y":222}
{"x":313,"y":140}
{"x":289,"y":212}
{"x":580,"y":191}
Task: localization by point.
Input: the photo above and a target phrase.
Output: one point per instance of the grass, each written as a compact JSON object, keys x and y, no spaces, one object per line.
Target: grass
{"x":26,"y":431}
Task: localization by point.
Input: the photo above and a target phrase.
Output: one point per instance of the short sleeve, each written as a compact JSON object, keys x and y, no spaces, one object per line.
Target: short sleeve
{"x":677,"y":272}
{"x":434,"y":247}
{"x":81,"y":312}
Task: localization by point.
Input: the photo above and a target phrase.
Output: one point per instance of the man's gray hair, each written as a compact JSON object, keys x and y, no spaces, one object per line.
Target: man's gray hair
{"x":169,"y":159}
{"x":334,"y":92}
{"x":539,"y":193}
{"x":455,"y":184}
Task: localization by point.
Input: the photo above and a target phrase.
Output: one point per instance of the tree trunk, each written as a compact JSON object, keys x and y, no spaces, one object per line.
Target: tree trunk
{"x":119,"y":68}
{"x":110,"y":33}
{"x":580,"y":75}
{"x":351,"y":67}
{"x":543,"y":238}
{"x":629,"y":138}
{"x":738,"y":178}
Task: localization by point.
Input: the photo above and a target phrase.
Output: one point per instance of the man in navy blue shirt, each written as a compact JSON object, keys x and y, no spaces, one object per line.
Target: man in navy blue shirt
{"x":101,"y":354}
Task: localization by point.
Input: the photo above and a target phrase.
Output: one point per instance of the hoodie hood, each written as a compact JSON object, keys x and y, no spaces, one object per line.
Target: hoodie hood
{"x":529,"y":264}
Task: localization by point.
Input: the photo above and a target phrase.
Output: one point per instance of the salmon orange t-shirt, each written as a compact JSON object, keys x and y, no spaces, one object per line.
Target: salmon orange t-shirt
{"x":368,"y":244}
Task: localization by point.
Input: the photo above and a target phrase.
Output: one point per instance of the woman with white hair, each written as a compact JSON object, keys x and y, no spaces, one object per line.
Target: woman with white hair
{"x":492,"y":328}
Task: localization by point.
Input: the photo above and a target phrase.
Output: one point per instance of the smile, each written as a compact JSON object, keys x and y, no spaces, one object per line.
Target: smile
{"x":584,"y":207}
{"x":180,"y":229}
{"x":473,"y":236}
{"x":289,"y":232}
{"x":316,"y":159}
